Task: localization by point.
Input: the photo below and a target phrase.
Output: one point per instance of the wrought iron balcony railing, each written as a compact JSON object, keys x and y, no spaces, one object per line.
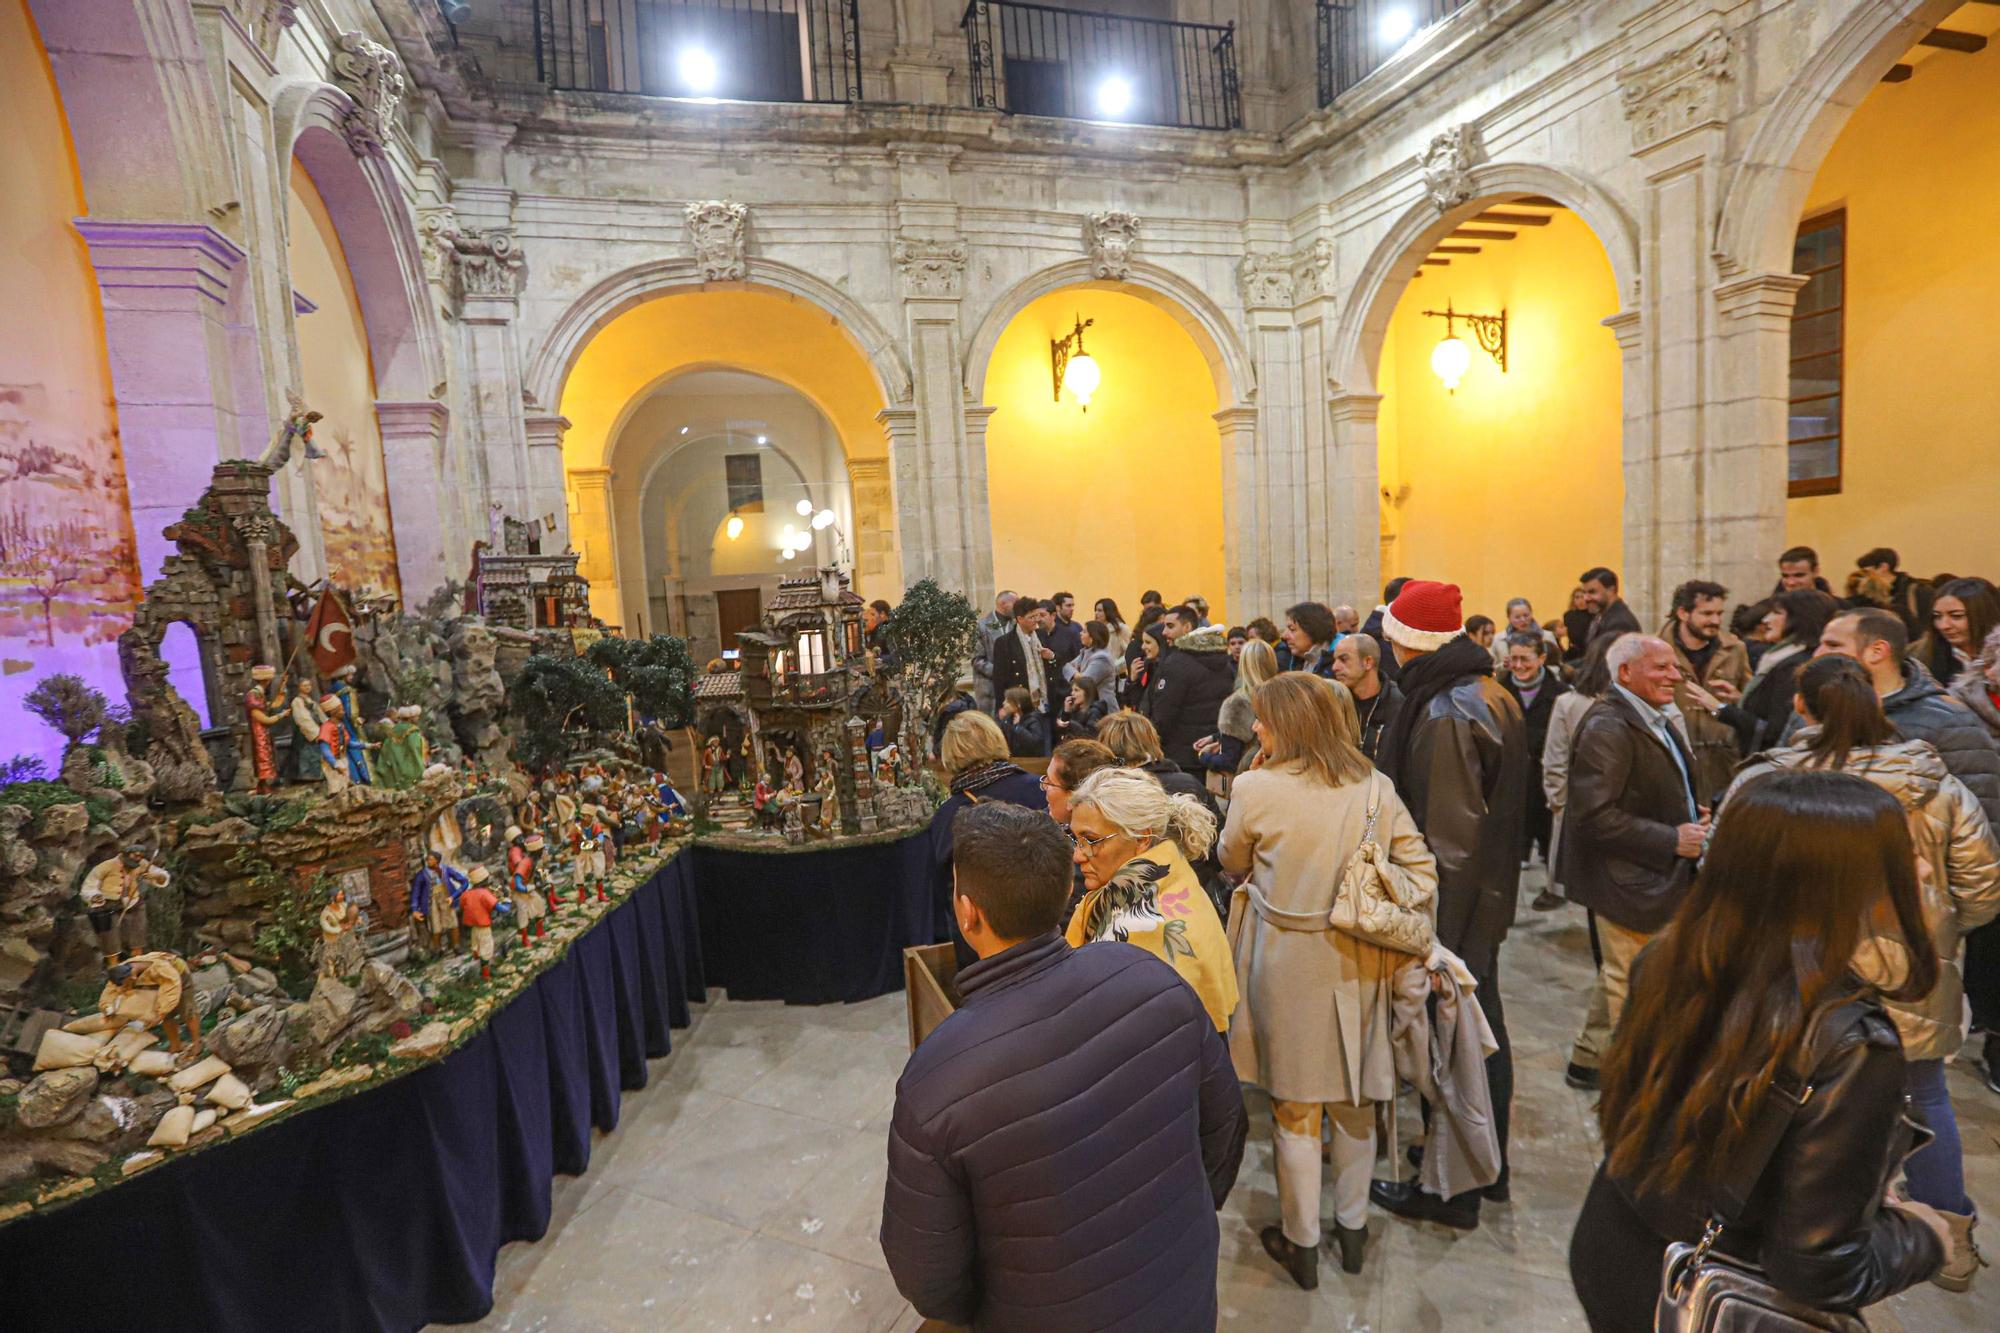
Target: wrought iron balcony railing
{"x":1039,"y":61}
{"x":1356,"y":37}
{"x":749,"y":50}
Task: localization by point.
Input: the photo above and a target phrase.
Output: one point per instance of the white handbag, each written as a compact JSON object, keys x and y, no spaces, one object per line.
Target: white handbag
{"x":1368,"y":902}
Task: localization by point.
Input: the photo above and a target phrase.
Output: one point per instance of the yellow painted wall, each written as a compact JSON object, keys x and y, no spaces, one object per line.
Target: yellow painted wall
{"x":350,"y":485}
{"x":1515,"y":482}
{"x":1120,"y":499}
{"x":1918,"y":170}
{"x":63,"y":505}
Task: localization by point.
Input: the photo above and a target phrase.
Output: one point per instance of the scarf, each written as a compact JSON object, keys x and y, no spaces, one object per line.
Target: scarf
{"x":1154,"y":902}
{"x":1422,"y":680}
{"x":984,"y":776}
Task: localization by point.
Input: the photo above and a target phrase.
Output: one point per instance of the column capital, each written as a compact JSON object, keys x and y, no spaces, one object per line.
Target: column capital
{"x":1242,"y":417}
{"x":546,"y":430}
{"x":1759,"y":296}
{"x":898,"y":420}
{"x":868,"y":469}
{"x":428,"y":418}
{"x":1626,"y":326}
{"x":1680,"y":92}
{"x":1346,"y":405}
{"x":170,"y":260}
{"x":589,"y":478}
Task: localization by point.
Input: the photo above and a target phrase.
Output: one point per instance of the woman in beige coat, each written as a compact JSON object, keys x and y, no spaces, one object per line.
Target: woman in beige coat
{"x":1313,"y":1029}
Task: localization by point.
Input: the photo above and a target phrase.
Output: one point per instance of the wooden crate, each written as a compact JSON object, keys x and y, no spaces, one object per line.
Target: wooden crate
{"x":930,"y":983}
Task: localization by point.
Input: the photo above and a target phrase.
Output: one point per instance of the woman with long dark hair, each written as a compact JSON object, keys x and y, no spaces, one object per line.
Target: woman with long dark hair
{"x":1848,"y":733}
{"x":1117,"y":632}
{"x":1132,"y":687}
{"x":1963,"y":613}
{"x":1761,"y":713}
{"x":1747,"y":994}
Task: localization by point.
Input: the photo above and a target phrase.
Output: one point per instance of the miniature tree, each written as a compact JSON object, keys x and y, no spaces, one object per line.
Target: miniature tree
{"x":658,"y":673}
{"x":67,"y":704}
{"x":47,"y":559}
{"x":559,"y":704}
{"x":933,"y":634}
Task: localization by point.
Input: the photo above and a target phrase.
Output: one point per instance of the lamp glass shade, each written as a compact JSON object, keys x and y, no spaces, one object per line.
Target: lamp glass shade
{"x":1081,"y":377}
{"x":822,"y":520}
{"x":734,"y":527}
{"x":804,"y":507}
{"x":1450,"y":359}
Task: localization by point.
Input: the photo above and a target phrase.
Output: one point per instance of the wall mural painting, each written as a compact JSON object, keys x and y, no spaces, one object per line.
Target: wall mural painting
{"x":352,"y":488}
{"x":68,"y":564}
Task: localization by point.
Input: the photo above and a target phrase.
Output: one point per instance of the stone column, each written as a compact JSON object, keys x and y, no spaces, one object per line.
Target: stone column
{"x":546,"y":487}
{"x":594,"y":535}
{"x":164,"y":286}
{"x":424,"y":522}
{"x":1636,"y":569}
{"x":1748,"y":455}
{"x":874,"y":546}
{"x":498,"y":429}
{"x":1354,"y":489}
{"x":1244,"y":535}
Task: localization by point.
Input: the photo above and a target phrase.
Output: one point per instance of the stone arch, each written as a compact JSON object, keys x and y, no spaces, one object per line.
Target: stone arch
{"x":653,"y":386}
{"x":1228,"y":360}
{"x":376,"y":232}
{"x":549,"y":365}
{"x":1399,"y":255}
{"x":1766,"y":192}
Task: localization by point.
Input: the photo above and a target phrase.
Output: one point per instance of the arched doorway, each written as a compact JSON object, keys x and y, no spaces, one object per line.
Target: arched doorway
{"x":69,"y":574}
{"x":621,"y":388}
{"x":1512,"y":482}
{"x":1128,"y":494}
{"x":1894,"y":413}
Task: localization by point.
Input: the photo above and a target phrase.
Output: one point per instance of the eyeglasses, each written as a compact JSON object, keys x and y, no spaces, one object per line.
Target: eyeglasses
{"x":1089,"y":844}
{"x":1046,"y":785}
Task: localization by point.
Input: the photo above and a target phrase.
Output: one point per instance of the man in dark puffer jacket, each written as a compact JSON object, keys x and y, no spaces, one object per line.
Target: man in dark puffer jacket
{"x":1188,"y":688}
{"x":1061,"y":1143}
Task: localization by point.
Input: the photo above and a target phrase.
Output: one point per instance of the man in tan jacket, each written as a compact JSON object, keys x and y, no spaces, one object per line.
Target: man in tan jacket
{"x":1706,"y":653}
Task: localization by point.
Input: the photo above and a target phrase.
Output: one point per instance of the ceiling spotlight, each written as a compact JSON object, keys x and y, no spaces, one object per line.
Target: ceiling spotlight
{"x":822,"y":520}
{"x":684,"y":430}
{"x":805,"y":508}
{"x":1396,"y":25}
{"x":697,"y":70}
{"x":763,"y":439}
{"x":734,"y":527}
{"x":1114,"y":96}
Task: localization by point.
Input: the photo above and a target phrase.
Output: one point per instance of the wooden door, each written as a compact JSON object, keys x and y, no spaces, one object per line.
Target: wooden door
{"x":736,"y":609}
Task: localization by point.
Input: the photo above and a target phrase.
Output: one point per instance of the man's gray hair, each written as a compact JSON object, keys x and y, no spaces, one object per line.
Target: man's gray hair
{"x":1365,"y":644}
{"x":1628,"y":648}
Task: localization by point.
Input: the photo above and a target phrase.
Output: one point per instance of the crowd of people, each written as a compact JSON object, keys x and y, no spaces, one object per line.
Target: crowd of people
{"x":1287,"y":857}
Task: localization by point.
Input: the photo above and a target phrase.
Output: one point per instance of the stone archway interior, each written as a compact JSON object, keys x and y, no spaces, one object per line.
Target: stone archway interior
{"x":1121,"y":498}
{"x":1514,"y":483}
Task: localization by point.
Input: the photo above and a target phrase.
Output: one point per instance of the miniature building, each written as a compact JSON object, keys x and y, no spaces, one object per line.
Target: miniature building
{"x":531,"y":591}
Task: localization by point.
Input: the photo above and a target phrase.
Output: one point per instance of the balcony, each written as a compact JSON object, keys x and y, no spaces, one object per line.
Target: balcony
{"x":1357,"y":37}
{"x":748,"y":50}
{"x":1037,"y":61}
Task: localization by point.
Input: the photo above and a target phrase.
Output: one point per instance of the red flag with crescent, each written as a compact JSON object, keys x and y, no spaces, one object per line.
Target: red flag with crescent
{"x":330,"y":634}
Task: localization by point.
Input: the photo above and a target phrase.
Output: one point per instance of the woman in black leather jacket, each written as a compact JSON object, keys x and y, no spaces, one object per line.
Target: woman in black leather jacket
{"x":1752,"y":975}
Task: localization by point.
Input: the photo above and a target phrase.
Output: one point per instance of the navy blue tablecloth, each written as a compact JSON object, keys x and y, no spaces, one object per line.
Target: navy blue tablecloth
{"x":817,"y":928}
{"x":383,"y":1211}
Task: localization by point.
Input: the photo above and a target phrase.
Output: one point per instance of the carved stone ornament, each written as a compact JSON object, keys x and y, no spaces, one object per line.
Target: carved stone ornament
{"x":1447,"y":166}
{"x":715,"y":229}
{"x":466,"y":261}
{"x":1110,"y":236}
{"x":1681,"y":91}
{"x":371,"y":74}
{"x":1312,"y":270}
{"x":932,"y":268}
{"x":1266,"y":281}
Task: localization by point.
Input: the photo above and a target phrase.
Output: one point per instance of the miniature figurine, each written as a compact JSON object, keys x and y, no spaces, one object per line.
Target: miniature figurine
{"x":114,"y":894}
{"x":517,"y":850}
{"x":829,"y":796}
{"x":528,"y":904}
{"x":672,"y":804}
{"x":475,"y":909}
{"x":404,"y":753}
{"x":357,"y":748}
{"x":262,"y":758}
{"x":747,"y":777}
{"x":334,"y":762}
{"x":795,"y":771}
{"x":339,"y":947}
{"x":306,"y":721}
{"x":593,"y":851}
{"x":152,"y":990}
{"x":434,"y":894}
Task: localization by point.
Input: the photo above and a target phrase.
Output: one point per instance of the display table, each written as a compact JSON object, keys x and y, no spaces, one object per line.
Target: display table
{"x":384,"y":1210}
{"x":817,"y":925}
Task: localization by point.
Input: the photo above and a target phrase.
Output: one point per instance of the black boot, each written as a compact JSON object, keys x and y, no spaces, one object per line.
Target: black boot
{"x":1302,"y":1262}
{"x":1351,"y":1243}
{"x":1991,"y":1050}
{"x":1406,"y":1200}
{"x":1581,"y":1077}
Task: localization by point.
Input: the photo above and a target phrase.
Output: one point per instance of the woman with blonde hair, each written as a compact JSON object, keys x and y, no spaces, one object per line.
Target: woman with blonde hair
{"x":1133,"y":841}
{"x":1314,"y":1028}
{"x":973,"y":750}
{"x":1233,"y":747}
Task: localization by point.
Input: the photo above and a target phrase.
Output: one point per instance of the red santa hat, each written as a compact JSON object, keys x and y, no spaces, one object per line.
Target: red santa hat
{"x":1425,"y":616}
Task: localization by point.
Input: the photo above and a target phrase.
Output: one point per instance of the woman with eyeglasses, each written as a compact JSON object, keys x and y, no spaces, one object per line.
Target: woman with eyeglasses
{"x":1133,"y":841}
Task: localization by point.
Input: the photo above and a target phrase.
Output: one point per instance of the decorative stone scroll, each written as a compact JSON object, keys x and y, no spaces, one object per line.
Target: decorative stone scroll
{"x":932,"y":268}
{"x":1447,"y":166}
{"x":1682,"y":90}
{"x":1110,"y":236}
{"x":1279,"y":280}
{"x":716,"y":231}
{"x":372,"y":75}
{"x":467,"y":261}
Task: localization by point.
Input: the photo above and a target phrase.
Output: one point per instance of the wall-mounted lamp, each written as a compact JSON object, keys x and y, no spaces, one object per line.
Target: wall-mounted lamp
{"x":734,"y":527}
{"x":1074,"y":366}
{"x":1451,"y":358}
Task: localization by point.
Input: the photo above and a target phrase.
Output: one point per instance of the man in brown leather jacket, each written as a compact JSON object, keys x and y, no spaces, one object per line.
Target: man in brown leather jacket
{"x":1458,"y":753}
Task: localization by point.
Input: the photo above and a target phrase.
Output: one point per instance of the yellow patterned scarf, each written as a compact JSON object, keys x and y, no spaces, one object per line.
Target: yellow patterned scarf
{"x":1156,"y":902}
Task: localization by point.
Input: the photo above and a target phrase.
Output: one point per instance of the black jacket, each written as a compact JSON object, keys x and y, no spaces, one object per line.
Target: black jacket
{"x":1377,"y":715}
{"x":1626,"y":802}
{"x":1185,"y":695}
{"x":1814,"y":1221}
{"x":1535,"y":717}
{"x":1066,"y":642}
{"x":1060,"y":1146}
{"x":1616,"y":618}
{"x":1028,"y":738}
{"x":1462,"y":769}
{"x":1010,"y":666}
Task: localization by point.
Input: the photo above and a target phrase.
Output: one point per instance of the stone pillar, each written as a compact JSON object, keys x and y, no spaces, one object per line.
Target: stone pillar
{"x":498,"y":429}
{"x":593,"y":533}
{"x":1748,"y":454}
{"x":546,"y":486}
{"x":414,"y":442}
{"x":874,"y":545}
{"x":1354,"y":490}
{"x":164,"y":286}
{"x":1638,"y":577}
{"x":1244,"y":532}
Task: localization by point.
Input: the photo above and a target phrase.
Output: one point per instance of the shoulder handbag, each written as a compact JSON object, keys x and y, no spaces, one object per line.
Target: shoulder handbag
{"x":1366,"y":902}
{"x":1705,"y":1291}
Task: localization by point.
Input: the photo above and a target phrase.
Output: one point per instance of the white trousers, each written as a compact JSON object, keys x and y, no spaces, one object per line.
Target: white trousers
{"x":1295,"y":1134}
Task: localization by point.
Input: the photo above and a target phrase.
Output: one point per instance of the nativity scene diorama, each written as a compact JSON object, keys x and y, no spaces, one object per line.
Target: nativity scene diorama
{"x":383,"y":822}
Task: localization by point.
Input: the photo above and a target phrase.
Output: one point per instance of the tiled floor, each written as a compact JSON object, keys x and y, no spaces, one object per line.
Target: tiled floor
{"x":743,"y":1188}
